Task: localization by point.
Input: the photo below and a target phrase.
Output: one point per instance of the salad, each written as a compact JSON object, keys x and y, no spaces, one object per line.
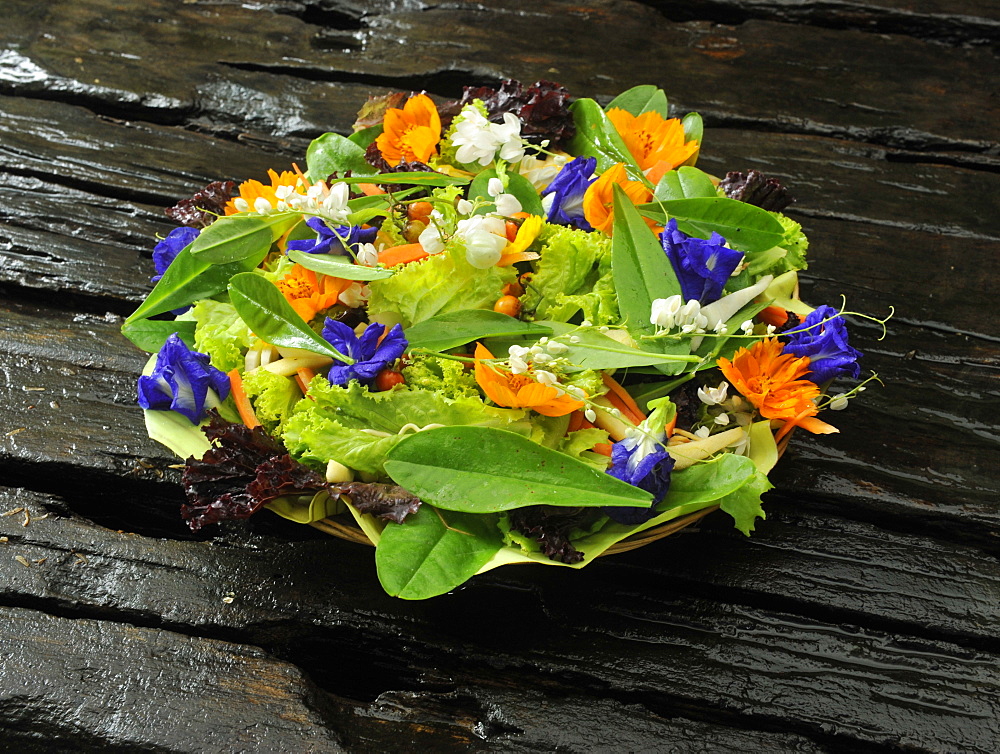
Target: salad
{"x":515,"y":327}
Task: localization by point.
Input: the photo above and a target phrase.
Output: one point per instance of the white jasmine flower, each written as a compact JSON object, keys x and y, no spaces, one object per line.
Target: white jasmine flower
{"x":508,"y":137}
{"x":518,"y":359}
{"x":747,"y":327}
{"x":241,"y":204}
{"x":590,"y":415}
{"x":722,"y":419}
{"x":771,"y":329}
{"x":713,"y":396}
{"x":262,"y":206}
{"x":663,"y":312}
{"x":545,"y":378}
{"x":430,"y":237}
{"x":473,"y":139}
{"x":464,"y":207}
{"x":367,"y":255}
{"x":507,"y":205}
{"x":494,"y":187}
{"x":556,"y":348}
{"x":355,"y":295}
{"x":334,"y":206}
{"x":284,"y":192}
{"x":484,"y":240}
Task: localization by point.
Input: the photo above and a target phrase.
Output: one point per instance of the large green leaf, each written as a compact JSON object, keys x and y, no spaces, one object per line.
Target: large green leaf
{"x":188,"y":279}
{"x":743,"y":225}
{"x":485,"y":470}
{"x":641,"y":99}
{"x":265,"y":311}
{"x":151,"y":334}
{"x":409,"y":179}
{"x":433,"y":551}
{"x":641,"y":270}
{"x":366,"y":136}
{"x":684,"y":183}
{"x":338,"y":267}
{"x":444,"y":331}
{"x":597,"y":137}
{"x":333,"y":153}
{"x":236,"y":237}
{"x":597,"y":351}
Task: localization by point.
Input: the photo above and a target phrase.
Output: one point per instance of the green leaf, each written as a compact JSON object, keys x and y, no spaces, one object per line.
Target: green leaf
{"x":597,"y":351}
{"x":641,"y":99}
{"x":333,"y":153}
{"x":517,"y":185}
{"x":338,"y":267}
{"x":409,"y":179}
{"x":684,"y":183}
{"x":272,"y":319}
{"x":366,"y":136}
{"x":188,"y":279}
{"x":304,"y":509}
{"x":150,"y":334}
{"x":432,"y":552}
{"x":597,"y":137}
{"x":694,"y":128}
{"x":745,"y":226}
{"x":641,"y":270}
{"x":485,"y":470}
{"x":236,"y":237}
{"x":744,"y":503}
{"x":444,"y":331}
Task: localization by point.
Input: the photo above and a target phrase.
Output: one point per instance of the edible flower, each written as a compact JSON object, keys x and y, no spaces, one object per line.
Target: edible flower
{"x":167,"y":250}
{"x":825,"y":343}
{"x":333,"y":241}
{"x":771,"y":381}
{"x":598,"y":201}
{"x":256,"y":196}
{"x":410,"y":134}
{"x":702,"y":267}
{"x":183,"y":381}
{"x":309,"y":293}
{"x":656,"y":143}
{"x":478,"y":141}
{"x":371,"y":352}
{"x":521,"y":390}
{"x":563,"y":198}
{"x":641,"y":459}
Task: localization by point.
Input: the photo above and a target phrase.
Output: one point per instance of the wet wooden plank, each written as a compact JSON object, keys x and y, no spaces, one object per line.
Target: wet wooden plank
{"x":882,"y":88}
{"x":634,"y":639}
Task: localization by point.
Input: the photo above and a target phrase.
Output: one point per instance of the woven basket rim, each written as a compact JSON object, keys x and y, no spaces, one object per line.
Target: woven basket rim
{"x":353,"y":533}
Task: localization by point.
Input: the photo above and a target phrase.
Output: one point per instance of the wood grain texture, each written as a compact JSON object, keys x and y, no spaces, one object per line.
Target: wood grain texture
{"x":863,"y":614}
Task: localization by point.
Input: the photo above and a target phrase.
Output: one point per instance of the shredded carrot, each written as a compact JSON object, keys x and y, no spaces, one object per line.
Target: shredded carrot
{"x":575,"y":421}
{"x":604,"y":448}
{"x":242,"y":402}
{"x":370,"y":189}
{"x":300,"y":174}
{"x":773,"y":315}
{"x":621,"y":400}
{"x":304,"y":376}
{"x":394,"y":255}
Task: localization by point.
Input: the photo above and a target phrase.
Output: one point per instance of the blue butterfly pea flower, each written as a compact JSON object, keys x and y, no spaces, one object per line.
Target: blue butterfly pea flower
{"x":183,"y":381}
{"x":167,"y":250}
{"x":370,"y":356}
{"x":331,"y":241}
{"x":702,"y":267}
{"x":567,"y":190}
{"x":830,"y":355}
{"x":642,"y":462}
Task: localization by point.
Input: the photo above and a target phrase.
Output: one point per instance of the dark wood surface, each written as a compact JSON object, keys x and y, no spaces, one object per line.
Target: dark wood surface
{"x":864,"y":614}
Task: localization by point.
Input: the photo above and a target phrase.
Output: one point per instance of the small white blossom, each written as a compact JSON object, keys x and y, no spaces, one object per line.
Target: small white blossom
{"x":494,"y":187}
{"x":484,"y":240}
{"x":722,"y":419}
{"x":430,"y":237}
{"x":507,"y":205}
{"x":713,"y":396}
{"x":334,"y":206}
{"x":556,"y":348}
{"x":355,"y":295}
{"x":747,"y":327}
{"x":518,"y":359}
{"x":478,"y":140}
{"x":241,"y":204}
{"x":262,"y":206}
{"x":838,"y":403}
{"x":367,"y":255}
{"x":590,"y":415}
{"x":720,"y":327}
{"x":703,"y":432}
{"x":284,"y":192}
{"x":508,"y":137}
{"x":464,"y":207}
{"x":574,"y":338}
{"x":771,"y":329}
{"x":545,"y":378}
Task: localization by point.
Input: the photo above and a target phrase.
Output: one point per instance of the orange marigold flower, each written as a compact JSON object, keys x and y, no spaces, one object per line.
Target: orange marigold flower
{"x":410,"y":134}
{"x":309,"y":293}
{"x":598,"y":202}
{"x":251,"y":191}
{"x":520,"y":390}
{"x":657,"y":143}
{"x":770,"y":380}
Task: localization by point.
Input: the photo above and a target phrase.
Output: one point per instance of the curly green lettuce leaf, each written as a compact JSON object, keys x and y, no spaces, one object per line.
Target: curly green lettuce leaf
{"x":789,"y":255}
{"x":573,"y":276}
{"x":273,"y":397}
{"x":444,"y":376}
{"x":221,"y":333}
{"x":332,"y":424}
{"x":441,"y":283}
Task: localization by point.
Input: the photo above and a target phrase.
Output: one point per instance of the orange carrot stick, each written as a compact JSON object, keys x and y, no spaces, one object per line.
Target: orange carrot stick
{"x":370,"y":189}
{"x":575,"y":421}
{"x":304,"y":376}
{"x":621,"y":400}
{"x":773,"y":315}
{"x":394,"y":255}
{"x":604,"y":448}
{"x":242,"y":402}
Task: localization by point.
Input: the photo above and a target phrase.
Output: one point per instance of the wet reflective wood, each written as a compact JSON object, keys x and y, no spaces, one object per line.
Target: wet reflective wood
{"x":863,"y":615}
